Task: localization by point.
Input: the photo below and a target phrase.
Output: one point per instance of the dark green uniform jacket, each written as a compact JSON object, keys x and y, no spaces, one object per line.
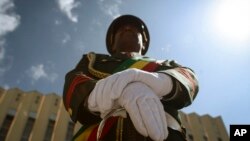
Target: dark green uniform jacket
{"x":81,"y":81}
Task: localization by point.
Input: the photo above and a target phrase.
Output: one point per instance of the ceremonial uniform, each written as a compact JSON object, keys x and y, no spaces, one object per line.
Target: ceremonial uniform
{"x":81,"y":81}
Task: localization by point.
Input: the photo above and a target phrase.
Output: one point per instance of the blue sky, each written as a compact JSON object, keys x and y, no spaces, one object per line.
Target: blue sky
{"x":42,"y":40}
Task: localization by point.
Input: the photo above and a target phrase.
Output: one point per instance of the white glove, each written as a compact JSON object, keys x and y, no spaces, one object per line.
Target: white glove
{"x":145,"y":110}
{"x":160,"y":83}
{"x":109,"y":89}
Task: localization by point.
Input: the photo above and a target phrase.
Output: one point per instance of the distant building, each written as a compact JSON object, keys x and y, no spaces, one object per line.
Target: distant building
{"x":32,"y":116}
{"x":204,"y":128}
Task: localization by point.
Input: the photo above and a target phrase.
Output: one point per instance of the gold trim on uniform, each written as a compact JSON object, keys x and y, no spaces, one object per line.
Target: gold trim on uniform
{"x":91,"y":56}
{"x":70,"y":111}
{"x":119,"y":129}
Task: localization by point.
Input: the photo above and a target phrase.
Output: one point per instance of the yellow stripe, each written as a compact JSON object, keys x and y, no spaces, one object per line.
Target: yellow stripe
{"x":85,"y":135}
{"x":139,"y":64}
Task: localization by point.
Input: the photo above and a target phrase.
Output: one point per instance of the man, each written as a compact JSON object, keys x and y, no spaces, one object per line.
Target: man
{"x":127,"y":96}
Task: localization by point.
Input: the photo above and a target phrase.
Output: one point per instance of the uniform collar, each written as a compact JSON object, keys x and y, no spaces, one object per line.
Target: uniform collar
{"x":125,"y":55}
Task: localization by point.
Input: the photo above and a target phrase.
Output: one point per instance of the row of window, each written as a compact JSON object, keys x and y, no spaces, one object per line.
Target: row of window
{"x":29,"y":126}
{"x":19,"y":95}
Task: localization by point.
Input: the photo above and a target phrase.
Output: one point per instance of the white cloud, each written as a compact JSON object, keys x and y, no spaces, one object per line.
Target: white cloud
{"x":5,"y":60}
{"x":66,"y":6}
{"x":58,"y":22}
{"x":2,"y":50}
{"x":66,"y":38}
{"x":9,"y":21}
{"x":111,"y":8}
{"x":38,"y":72}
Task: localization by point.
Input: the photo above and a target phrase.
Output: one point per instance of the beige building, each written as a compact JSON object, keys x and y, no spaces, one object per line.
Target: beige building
{"x":204,"y":128}
{"x":32,"y":116}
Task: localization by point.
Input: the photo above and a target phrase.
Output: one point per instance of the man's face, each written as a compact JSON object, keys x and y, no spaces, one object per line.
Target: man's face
{"x":128,"y":39}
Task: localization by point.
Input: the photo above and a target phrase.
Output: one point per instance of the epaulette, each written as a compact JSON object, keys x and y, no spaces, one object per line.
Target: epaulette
{"x":171,"y":63}
{"x":92,"y":58}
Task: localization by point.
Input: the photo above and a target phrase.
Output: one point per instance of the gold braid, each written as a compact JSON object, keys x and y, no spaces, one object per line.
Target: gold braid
{"x":119,"y":129}
{"x":91,"y":56}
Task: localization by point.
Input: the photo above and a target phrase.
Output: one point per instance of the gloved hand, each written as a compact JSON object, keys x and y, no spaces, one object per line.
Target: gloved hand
{"x":145,"y":110}
{"x":109,"y":89}
{"x":160,"y":83}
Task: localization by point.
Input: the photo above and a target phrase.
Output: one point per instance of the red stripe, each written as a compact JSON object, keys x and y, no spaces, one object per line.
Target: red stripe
{"x":77,"y":80}
{"x":70,"y":89}
{"x":108,"y":124}
{"x":150,"y":67}
{"x":186,"y":74}
{"x":92,"y":136}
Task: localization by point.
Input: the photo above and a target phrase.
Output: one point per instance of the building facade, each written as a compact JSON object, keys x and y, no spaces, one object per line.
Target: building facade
{"x":33,"y":116}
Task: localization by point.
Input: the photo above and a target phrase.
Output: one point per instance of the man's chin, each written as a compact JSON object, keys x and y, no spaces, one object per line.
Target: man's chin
{"x":129,"y":49}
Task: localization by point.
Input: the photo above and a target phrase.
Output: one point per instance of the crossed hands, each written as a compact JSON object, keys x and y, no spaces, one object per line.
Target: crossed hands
{"x":139,"y":93}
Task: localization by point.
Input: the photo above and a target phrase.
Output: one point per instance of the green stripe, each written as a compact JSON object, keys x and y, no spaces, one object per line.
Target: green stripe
{"x":126,"y":64}
{"x":129,"y":62}
{"x":80,"y":131}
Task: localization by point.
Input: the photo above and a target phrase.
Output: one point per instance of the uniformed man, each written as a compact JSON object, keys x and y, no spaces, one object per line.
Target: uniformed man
{"x":126,"y":96}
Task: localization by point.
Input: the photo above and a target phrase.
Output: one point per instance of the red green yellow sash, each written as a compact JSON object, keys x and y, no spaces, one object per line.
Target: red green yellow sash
{"x":142,"y":64}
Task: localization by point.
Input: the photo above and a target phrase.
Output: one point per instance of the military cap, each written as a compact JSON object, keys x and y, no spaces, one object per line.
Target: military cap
{"x":123,"y":20}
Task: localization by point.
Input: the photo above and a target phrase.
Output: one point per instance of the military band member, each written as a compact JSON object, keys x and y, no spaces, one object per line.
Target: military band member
{"x":127,"y":96}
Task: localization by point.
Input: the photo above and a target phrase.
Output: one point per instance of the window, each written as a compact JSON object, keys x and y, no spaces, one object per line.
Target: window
{"x":69,"y":134}
{"x":18,"y":97}
{"x":205,"y":138}
{"x":53,"y":116}
{"x":28,"y":128}
{"x":191,"y":138}
{"x":5,"y":127}
{"x":219,"y":139}
{"x":56,"y":102}
{"x":49,"y":130}
{"x":32,"y":115}
{"x":37,"y":99}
